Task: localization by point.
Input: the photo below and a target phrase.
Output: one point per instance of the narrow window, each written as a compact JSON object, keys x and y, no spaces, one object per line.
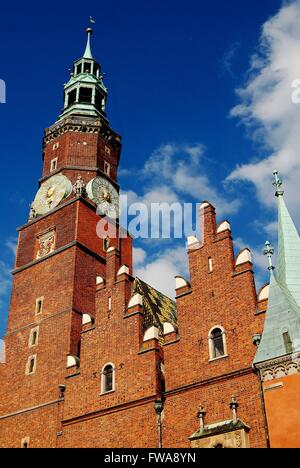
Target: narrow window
{"x":39,"y":305}
{"x":31,"y":365}
{"x":288,"y":344}
{"x":106,"y":243}
{"x":107,"y":168}
{"x":72,"y":97}
{"x":217,"y":338}
{"x":33,"y":337}
{"x":53,"y":165}
{"x":98,"y":100}
{"x":25,"y":443}
{"x":210,"y":265}
{"x":217,"y":343}
{"x":108,"y":379}
{"x":109,"y":303}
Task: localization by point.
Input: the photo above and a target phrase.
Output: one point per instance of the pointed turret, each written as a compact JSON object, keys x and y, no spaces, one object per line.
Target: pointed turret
{"x":288,"y":268}
{"x":85,"y":93}
{"x":88,"y":53}
{"x":281,"y":334}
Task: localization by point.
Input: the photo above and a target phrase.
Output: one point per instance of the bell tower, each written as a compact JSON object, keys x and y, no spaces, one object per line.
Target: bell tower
{"x":85,"y":92}
{"x":60,"y":255}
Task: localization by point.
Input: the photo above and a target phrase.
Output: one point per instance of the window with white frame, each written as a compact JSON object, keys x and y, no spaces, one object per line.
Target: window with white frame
{"x":25,"y":442}
{"x":33,"y":337}
{"x":39,"y":305}
{"x":53,"y":164}
{"x":31,"y":365}
{"x":217,"y":343}
{"x":107,"y":168}
{"x":108,"y":378}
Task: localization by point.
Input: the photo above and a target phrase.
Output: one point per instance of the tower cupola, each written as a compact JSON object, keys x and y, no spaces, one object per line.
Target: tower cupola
{"x":85,"y":93}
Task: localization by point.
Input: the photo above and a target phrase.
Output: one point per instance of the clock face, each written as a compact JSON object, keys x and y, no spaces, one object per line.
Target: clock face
{"x":104,"y":194}
{"x":51,"y":193}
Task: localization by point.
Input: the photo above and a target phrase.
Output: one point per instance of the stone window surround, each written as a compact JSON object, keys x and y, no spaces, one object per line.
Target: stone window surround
{"x":212,"y":357}
{"x":39,"y":303}
{"x":33,"y":357}
{"x":107,"y":168}
{"x":103,"y":392}
{"x":24,"y":441}
{"x":30,"y":342}
{"x":53,"y":164}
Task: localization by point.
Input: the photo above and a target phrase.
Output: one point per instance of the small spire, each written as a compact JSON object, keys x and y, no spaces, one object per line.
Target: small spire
{"x":88,"y":53}
{"x":201,"y":416}
{"x":277,"y":184}
{"x":269,"y":252}
{"x":234,"y":406}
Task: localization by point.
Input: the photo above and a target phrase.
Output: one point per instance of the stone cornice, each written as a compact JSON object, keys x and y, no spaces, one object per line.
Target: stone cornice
{"x":83,"y":125}
{"x":75,"y":243}
{"x":279,"y":367}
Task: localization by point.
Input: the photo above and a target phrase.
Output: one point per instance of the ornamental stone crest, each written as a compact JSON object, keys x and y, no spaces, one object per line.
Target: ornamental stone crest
{"x":46,"y":244}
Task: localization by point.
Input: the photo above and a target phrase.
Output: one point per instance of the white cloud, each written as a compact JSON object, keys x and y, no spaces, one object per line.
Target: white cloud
{"x":139,"y":256}
{"x":161,"y":271}
{"x":2,"y":351}
{"x":12,"y":244}
{"x":4,"y":279}
{"x":267,"y":110}
{"x":228,"y":58}
{"x":173,"y":173}
{"x":182,"y":170}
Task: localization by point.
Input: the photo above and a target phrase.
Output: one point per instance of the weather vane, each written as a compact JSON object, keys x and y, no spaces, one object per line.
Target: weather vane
{"x":91,"y":20}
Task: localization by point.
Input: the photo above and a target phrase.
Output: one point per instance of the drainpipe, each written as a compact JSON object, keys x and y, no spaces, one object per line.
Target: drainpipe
{"x":159,"y":408}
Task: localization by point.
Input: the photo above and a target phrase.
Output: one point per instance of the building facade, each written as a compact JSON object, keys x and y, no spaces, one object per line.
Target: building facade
{"x":95,"y":357}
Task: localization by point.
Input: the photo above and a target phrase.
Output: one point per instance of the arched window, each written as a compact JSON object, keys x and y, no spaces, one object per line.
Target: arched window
{"x":108,"y":379}
{"x":217,"y":343}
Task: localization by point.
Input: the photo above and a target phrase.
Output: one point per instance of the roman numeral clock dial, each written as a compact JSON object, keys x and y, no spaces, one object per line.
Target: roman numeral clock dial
{"x":104,"y":194}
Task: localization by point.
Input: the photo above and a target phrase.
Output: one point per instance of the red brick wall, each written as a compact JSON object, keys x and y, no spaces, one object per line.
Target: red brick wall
{"x":82,"y":150}
{"x":225,"y":297}
{"x":126,"y":417}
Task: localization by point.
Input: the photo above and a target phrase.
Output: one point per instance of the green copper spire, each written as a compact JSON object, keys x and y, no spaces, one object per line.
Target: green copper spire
{"x":88,"y":52}
{"x":85,"y":93}
{"x":281,"y":334}
{"x":288,"y":266}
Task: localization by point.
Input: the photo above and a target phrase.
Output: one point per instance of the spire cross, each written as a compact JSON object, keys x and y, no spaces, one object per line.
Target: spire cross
{"x":277,"y":184}
{"x":269,"y":252}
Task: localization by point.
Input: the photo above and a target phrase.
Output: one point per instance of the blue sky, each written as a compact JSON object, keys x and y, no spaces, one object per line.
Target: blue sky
{"x":173,"y":71}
